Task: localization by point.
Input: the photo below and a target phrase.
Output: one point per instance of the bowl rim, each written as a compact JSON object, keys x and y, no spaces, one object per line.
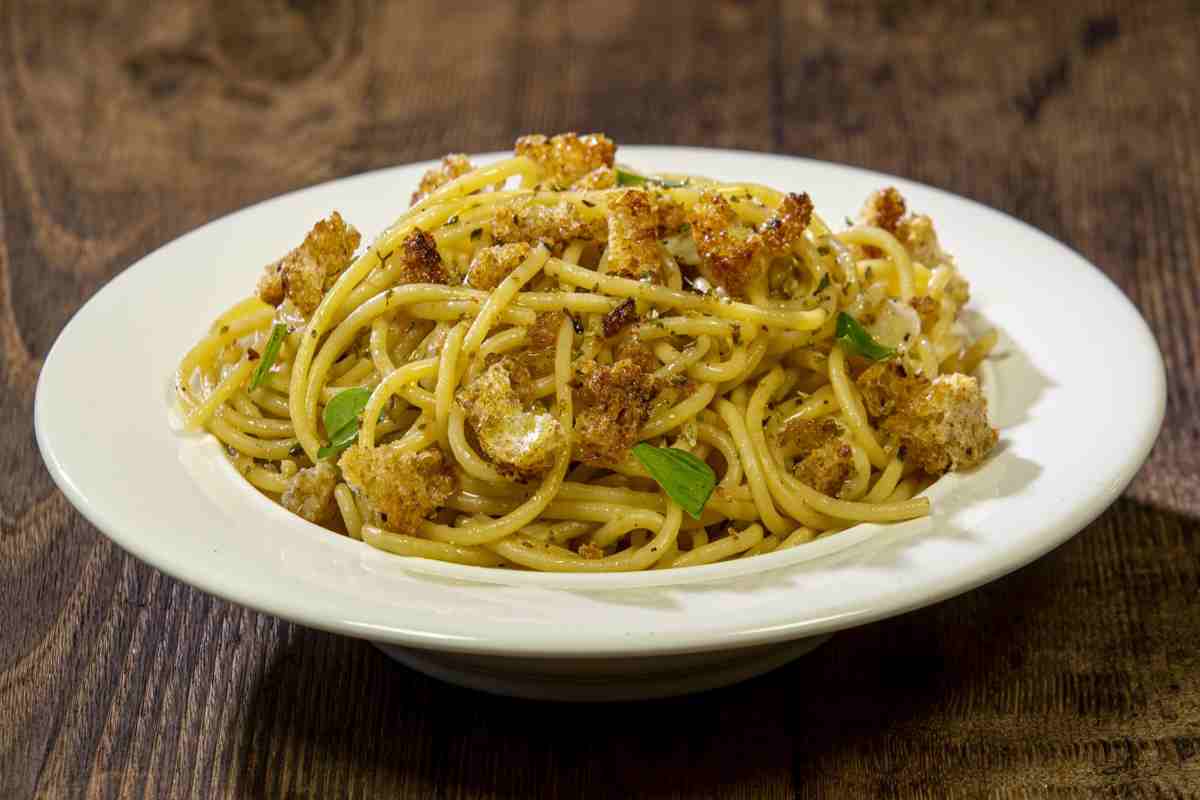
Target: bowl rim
{"x":64,"y":462}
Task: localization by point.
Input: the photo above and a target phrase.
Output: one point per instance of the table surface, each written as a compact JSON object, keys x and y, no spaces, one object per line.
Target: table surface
{"x":122,"y":129}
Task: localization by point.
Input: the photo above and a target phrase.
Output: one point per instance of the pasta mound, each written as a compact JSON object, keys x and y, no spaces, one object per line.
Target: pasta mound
{"x":556,"y":362}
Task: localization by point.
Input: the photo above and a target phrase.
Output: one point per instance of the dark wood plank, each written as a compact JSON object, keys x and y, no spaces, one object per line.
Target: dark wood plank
{"x":122,"y":127}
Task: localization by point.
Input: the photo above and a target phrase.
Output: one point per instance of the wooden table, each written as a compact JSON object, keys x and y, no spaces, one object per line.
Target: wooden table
{"x":122,"y":129}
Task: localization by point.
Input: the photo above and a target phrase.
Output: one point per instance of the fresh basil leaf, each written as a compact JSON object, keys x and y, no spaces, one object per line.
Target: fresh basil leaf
{"x":269,"y":354}
{"x":343,"y":438}
{"x":687,"y":479}
{"x":345,"y":408}
{"x":855,"y":339}
{"x":633,"y":179}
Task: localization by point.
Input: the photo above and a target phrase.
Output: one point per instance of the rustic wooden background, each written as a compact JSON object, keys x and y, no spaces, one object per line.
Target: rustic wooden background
{"x":122,"y":127}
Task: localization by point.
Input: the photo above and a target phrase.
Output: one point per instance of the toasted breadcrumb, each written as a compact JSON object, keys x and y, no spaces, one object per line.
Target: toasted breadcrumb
{"x":491,"y":265}
{"x":633,"y":247}
{"x":554,"y":225}
{"x":615,"y":402}
{"x":303,"y":274}
{"x":945,"y":425}
{"x":827,"y":468}
{"x":567,"y":157}
{"x":786,"y":226}
{"x":640,"y":354}
{"x":883,"y":209}
{"x":453,"y":166}
{"x":886,"y":385}
{"x":405,"y":487}
{"x":590,"y":550}
{"x":826,"y":460}
{"x":420,"y":261}
{"x":309,"y":493}
{"x":887,"y":209}
{"x":670,"y":215}
{"x":809,"y":434}
{"x":728,"y":248}
{"x":521,"y":443}
{"x":928,"y":310}
{"x":917,"y":235}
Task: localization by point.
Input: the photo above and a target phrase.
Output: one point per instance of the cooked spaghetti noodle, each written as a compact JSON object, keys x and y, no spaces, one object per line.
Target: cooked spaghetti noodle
{"x":480,"y":384}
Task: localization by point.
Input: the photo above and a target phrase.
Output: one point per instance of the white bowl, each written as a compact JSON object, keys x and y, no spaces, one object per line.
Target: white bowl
{"x":1077,"y":389}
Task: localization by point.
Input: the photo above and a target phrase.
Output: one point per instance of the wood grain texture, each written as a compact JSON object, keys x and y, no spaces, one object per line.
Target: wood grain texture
{"x":123,"y":126}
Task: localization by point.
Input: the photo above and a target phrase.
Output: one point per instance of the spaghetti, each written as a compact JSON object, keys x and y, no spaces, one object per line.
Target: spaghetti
{"x":555,"y":363}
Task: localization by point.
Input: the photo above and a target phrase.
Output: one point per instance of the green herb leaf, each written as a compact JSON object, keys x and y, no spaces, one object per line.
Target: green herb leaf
{"x":341,"y":416}
{"x":822,"y":284}
{"x":687,"y":479}
{"x":855,"y":339}
{"x":343,"y":438}
{"x":344,"y":408}
{"x":269,"y":354}
{"x":633,"y":179}
{"x":629,"y":178}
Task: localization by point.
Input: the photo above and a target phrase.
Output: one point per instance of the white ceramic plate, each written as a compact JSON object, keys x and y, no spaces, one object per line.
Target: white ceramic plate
{"x":1077,"y":389}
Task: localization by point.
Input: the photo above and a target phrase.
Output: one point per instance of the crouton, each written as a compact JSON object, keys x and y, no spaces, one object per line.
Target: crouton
{"x":928,"y":310}
{"x":405,"y":487}
{"x":917,"y":235}
{"x":567,"y":157}
{"x":554,"y":225}
{"x":633,"y":248}
{"x":615,"y":402}
{"x":420,"y":261}
{"x":786,"y":226}
{"x":886,"y":385}
{"x":809,"y":434}
{"x":827,"y":468}
{"x":944,"y":426}
{"x":670,"y":215}
{"x":453,"y":166}
{"x":491,"y":265}
{"x":826,"y":461}
{"x":521,"y":443}
{"x":304,"y":273}
{"x":728,"y":248}
{"x":640,"y":354}
{"x":883,"y":209}
{"x":309,"y":493}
